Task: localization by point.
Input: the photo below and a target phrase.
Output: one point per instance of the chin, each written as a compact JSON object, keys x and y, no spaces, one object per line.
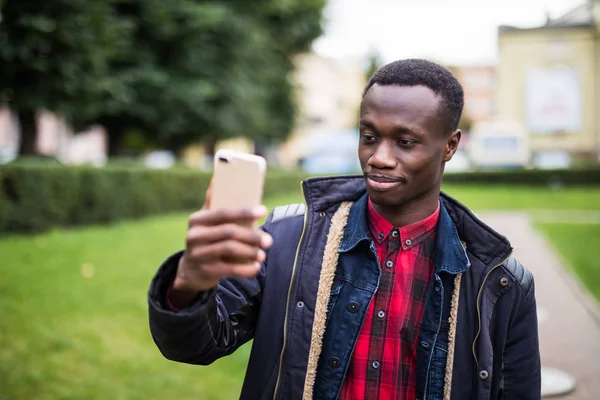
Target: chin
{"x":394,"y":198}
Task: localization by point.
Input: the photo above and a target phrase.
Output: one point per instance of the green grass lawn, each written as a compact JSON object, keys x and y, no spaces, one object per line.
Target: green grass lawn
{"x":578,"y":245}
{"x":480,"y":197}
{"x":68,"y":334}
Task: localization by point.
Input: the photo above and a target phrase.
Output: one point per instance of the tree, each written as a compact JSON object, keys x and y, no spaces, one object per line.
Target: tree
{"x":177,"y":71}
{"x":373,"y":64}
{"x":256,"y":45}
{"x":53,"y":56}
{"x":465,"y":124}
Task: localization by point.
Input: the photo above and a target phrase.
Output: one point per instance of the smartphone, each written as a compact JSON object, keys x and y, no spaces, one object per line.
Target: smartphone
{"x":238,"y":180}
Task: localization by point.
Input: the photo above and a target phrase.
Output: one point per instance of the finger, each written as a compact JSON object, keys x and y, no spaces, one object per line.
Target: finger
{"x":266,"y":240}
{"x":223,"y":216}
{"x":245,"y":271}
{"x":201,"y":234}
{"x":222,"y":270}
{"x":228,"y":250}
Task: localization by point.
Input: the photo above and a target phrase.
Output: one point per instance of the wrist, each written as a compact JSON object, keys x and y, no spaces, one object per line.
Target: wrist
{"x":186,"y":282}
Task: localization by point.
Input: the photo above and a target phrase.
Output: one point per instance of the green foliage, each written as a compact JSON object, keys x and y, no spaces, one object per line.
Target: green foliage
{"x":555,"y":178}
{"x":179,"y":71}
{"x":374,"y":63}
{"x":36,"y":196}
{"x":537,"y":200}
{"x":54,"y":55}
{"x":465,"y":124}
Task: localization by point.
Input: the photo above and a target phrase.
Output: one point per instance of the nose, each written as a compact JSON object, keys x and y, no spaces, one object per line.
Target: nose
{"x":383,"y":156}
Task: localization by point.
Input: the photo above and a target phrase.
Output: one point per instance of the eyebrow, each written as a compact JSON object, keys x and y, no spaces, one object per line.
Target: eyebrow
{"x":397,"y":130}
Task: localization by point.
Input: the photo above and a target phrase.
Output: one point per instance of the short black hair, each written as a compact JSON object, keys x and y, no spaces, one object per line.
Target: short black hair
{"x":416,"y":72}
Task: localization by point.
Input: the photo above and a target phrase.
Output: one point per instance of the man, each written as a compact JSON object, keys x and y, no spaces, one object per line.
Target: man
{"x":380,"y":288}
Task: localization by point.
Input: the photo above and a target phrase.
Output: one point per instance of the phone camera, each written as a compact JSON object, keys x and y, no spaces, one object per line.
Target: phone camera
{"x":224,"y":159}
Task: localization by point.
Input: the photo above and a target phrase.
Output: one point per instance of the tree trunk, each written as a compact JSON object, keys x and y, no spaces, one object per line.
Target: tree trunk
{"x":115,"y":133}
{"x":28,"y":128}
{"x":115,"y":142}
{"x":260,"y":147}
{"x":211,"y":147}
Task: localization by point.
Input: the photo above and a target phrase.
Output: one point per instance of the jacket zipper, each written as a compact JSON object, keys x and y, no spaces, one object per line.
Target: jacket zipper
{"x":287,"y":306}
{"x":479,"y":307}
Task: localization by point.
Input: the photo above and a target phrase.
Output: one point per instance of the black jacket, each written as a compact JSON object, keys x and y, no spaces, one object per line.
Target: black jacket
{"x":491,"y":339}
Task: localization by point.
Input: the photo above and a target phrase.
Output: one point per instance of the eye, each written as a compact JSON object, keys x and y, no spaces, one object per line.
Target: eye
{"x":406,"y":142}
{"x":367,"y":138}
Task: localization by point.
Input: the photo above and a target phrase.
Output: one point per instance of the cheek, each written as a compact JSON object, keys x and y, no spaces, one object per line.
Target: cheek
{"x":422,"y":164}
{"x":363,"y":155}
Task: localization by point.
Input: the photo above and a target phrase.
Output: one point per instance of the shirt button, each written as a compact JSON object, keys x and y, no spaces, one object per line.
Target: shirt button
{"x":483,"y":374}
{"x":389,"y":264}
{"x":395,"y":234}
{"x":380,"y":236}
{"x":334,"y":362}
{"x":425,"y":345}
{"x":408,"y":242}
{"x":381,"y":314}
{"x":375,"y":364}
{"x":353,"y":307}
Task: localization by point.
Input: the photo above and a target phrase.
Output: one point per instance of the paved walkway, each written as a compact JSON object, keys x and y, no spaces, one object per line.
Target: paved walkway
{"x":569,"y":319}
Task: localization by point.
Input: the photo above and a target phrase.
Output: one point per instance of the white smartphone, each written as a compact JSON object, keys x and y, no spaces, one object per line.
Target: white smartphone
{"x":238,"y":180}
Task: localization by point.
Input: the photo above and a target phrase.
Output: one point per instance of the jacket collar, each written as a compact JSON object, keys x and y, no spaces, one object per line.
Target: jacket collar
{"x":457,"y":224}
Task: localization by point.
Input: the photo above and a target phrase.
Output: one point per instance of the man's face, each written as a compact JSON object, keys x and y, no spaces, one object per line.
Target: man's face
{"x":403,"y":143}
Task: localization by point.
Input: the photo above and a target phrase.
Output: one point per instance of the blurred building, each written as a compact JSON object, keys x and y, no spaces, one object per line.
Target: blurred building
{"x":9,"y":137}
{"x":55,"y":139}
{"x":549,"y":81}
{"x":479,"y":85}
{"x":328,"y":94}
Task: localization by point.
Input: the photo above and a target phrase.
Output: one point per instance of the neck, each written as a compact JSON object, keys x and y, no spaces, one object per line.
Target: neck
{"x":413,"y":211}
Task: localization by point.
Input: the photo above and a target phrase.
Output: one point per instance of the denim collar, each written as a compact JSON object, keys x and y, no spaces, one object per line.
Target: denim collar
{"x":450,"y":254}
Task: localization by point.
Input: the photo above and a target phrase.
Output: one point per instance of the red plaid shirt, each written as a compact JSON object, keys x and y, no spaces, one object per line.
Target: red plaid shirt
{"x":384,"y":362}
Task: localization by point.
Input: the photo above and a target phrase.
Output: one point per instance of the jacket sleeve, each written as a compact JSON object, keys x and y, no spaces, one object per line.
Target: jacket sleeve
{"x":522,"y":368}
{"x":215,"y":325}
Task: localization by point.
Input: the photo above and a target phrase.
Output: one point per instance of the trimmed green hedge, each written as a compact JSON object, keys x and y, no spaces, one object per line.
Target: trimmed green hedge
{"x":38,"y":196}
{"x":588,"y":176}
{"x":35,"y":198}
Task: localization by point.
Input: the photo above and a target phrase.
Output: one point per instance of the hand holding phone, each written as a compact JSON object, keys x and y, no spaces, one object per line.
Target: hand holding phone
{"x":222,"y":240}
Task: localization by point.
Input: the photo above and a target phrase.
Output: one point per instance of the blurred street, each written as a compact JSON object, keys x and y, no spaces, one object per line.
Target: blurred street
{"x":568,"y":317}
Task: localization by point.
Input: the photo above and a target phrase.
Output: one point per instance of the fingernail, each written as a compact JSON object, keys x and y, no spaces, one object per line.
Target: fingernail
{"x":257,"y":265}
{"x":266,"y":241}
{"x":259,"y":211}
{"x":262,"y":256}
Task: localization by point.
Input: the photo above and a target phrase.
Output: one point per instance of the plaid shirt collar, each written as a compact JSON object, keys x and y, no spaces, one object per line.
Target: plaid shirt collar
{"x":409,"y":235}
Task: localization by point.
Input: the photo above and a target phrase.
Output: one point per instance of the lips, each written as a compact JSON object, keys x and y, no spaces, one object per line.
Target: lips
{"x":383,"y":183}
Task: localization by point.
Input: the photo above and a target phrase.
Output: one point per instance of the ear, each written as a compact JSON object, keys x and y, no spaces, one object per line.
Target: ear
{"x":452,"y":145}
